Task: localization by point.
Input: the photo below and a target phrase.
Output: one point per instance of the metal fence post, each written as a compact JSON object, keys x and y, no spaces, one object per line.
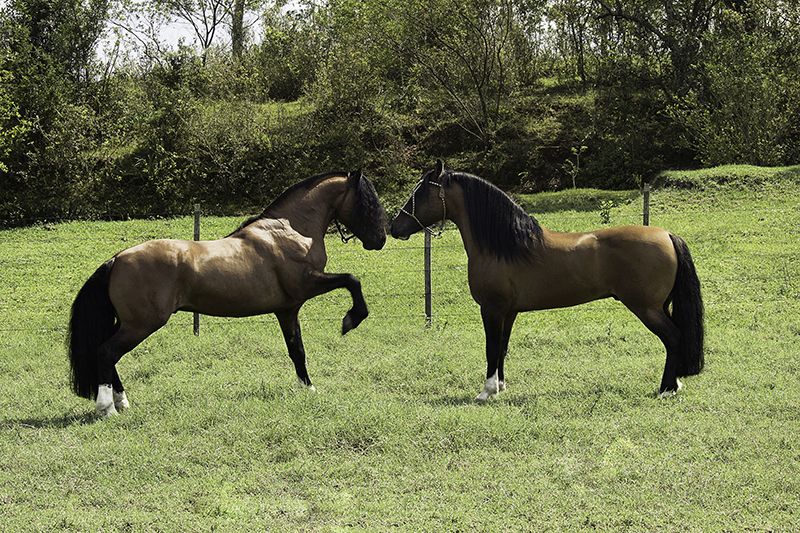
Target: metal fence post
{"x":196,"y":321}
{"x":646,"y":211}
{"x":428,"y":306}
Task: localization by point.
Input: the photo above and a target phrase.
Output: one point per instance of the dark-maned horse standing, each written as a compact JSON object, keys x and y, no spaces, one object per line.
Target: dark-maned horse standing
{"x":273,"y":263}
{"x":516,"y":265}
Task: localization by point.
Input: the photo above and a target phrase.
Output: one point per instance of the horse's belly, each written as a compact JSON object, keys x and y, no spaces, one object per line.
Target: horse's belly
{"x":218,"y":289}
{"x":231,"y":299}
{"x":551,"y":300}
{"x":537,"y":289}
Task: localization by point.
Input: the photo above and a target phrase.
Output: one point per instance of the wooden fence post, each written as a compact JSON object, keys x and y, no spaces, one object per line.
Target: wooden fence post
{"x":646,"y":211}
{"x":428,"y":306}
{"x":197,"y":238}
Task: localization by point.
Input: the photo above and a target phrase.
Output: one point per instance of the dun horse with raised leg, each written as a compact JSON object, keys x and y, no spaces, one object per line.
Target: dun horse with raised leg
{"x":273,"y":263}
{"x":516,"y":265}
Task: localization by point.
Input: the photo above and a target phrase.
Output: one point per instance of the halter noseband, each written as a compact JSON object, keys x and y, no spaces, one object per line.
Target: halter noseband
{"x":336,"y":214}
{"x":414,"y":208}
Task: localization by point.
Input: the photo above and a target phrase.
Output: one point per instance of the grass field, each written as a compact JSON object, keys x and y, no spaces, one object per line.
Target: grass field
{"x":218,"y":437}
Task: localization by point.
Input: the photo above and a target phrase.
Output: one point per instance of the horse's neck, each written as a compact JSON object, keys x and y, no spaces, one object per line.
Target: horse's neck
{"x":311,"y":213}
{"x":457,"y":214}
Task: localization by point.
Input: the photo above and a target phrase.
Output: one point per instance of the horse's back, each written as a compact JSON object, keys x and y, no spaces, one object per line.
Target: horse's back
{"x":633,"y":263}
{"x":249,"y":273}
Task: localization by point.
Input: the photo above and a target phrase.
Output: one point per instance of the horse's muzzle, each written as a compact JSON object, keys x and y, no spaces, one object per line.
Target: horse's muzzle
{"x":374,"y":245}
{"x":399,"y":232}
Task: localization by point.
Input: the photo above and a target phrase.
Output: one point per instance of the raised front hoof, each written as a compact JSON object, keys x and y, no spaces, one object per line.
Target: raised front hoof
{"x":352,"y":320}
{"x":669,"y":393}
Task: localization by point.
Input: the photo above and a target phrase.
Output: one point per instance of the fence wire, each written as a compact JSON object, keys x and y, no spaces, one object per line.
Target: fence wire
{"x":42,"y":305}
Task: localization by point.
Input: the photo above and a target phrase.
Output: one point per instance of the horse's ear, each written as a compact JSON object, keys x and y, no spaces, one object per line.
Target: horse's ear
{"x":439,"y":168}
{"x":354,"y":177}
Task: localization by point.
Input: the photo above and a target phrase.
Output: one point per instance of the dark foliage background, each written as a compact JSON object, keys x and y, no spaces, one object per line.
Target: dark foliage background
{"x":531,"y":94}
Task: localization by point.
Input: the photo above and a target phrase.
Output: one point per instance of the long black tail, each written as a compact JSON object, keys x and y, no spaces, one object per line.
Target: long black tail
{"x":687,"y":311}
{"x":92,"y":322}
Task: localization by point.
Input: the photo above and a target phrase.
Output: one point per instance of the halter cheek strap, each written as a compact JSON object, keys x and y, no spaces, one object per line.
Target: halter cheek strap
{"x":413,"y":215}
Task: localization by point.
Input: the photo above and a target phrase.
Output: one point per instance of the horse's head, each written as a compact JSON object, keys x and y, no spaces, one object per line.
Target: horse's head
{"x":423,"y":208}
{"x":361,"y":211}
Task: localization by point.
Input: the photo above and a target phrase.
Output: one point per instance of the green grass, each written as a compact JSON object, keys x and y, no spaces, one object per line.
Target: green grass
{"x":219,"y":438}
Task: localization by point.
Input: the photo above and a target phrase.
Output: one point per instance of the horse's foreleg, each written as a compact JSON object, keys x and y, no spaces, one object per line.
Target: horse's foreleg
{"x":290,"y":326}
{"x":494,"y":328}
{"x":508,"y":324}
{"x":320,"y":283}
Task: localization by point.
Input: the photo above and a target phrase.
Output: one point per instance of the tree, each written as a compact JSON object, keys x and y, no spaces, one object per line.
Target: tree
{"x":49,"y":46}
{"x":678,"y":28}
{"x":144,"y":21}
{"x":743,"y":111}
{"x":460,"y":53}
{"x":12,"y":127}
{"x":572,"y":17}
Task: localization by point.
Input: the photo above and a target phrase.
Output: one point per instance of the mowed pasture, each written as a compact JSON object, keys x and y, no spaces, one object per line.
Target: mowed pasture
{"x":220,"y":438}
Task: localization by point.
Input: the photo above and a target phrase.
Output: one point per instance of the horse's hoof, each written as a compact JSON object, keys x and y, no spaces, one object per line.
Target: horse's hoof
{"x":351,"y":321}
{"x":303,"y":386}
{"x":492,"y":387}
{"x":104,"y":405}
{"x":121,"y":401}
{"x":107,"y":412}
{"x":670,"y":393}
{"x":347,"y":324}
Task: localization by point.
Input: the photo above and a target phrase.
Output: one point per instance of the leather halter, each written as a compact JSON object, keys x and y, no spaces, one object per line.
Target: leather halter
{"x":414,"y":208}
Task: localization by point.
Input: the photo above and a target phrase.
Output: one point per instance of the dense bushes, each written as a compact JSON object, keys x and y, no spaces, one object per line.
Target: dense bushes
{"x":602,"y":99}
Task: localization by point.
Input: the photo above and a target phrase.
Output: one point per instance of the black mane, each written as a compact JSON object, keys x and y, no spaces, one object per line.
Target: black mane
{"x":497,"y":223}
{"x":306,"y":184}
{"x":368,"y":206}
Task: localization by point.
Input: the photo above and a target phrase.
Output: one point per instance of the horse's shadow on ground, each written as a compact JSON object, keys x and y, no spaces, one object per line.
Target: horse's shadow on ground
{"x":54,"y":422}
{"x":589,"y":396}
{"x":461,"y":400}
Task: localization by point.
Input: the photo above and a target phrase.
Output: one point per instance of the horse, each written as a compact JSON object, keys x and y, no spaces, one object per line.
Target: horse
{"x":515,"y":265}
{"x":273,"y":263}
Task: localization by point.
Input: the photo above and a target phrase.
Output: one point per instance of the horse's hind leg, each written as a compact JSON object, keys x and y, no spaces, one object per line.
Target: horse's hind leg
{"x":661,"y":324}
{"x":120,"y":398}
{"x":110,"y":393}
{"x":290,"y":326}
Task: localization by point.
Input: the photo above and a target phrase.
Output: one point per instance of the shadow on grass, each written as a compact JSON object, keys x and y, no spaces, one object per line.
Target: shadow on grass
{"x":55,"y":422}
{"x":452,"y":400}
{"x":585,"y":396}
